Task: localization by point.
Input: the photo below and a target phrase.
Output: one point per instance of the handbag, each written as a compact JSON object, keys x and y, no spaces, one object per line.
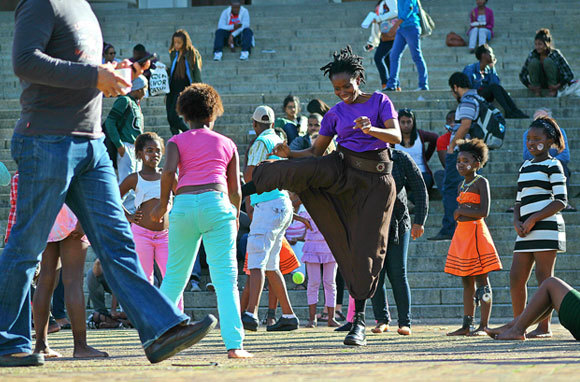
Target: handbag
{"x":159,"y":81}
{"x":426,"y":22}
{"x":389,"y":29}
{"x":570,"y":90}
{"x":453,"y":39}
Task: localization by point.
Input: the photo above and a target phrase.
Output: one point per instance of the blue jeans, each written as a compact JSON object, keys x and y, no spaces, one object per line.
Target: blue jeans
{"x":53,"y":170}
{"x":382,"y":60}
{"x":450,"y":184}
{"x":396,"y":268}
{"x":244,"y":39}
{"x":408,"y":36}
{"x":212,"y":216}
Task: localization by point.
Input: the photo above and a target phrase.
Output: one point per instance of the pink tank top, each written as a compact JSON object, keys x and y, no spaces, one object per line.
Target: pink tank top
{"x":203,"y":157}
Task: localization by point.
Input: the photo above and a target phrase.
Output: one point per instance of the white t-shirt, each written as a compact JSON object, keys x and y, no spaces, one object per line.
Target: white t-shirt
{"x":416,"y":152}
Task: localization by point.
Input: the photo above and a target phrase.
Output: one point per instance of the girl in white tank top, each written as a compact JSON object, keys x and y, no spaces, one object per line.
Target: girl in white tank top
{"x":151,"y":237}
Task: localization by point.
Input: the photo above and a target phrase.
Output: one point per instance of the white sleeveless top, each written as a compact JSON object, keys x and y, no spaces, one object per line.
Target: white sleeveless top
{"x":416,"y":152}
{"x":146,"y":190}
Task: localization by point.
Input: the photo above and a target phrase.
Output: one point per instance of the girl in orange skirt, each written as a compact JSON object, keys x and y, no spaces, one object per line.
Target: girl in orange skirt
{"x":472,"y":254}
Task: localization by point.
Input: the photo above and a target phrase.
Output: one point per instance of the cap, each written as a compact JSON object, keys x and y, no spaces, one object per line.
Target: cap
{"x":263,"y":114}
{"x":139,"y":83}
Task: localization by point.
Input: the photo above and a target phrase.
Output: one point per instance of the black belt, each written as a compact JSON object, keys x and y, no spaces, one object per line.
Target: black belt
{"x":367,"y":165}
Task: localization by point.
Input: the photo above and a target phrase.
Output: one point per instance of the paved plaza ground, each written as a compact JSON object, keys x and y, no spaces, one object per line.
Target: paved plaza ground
{"x":318,"y":354}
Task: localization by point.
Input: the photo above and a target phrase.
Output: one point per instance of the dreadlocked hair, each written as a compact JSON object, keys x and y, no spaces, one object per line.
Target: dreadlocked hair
{"x":345,"y":61}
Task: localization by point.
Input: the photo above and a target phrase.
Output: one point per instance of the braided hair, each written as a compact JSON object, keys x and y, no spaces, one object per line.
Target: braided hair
{"x":345,"y":61}
{"x":551,"y":129}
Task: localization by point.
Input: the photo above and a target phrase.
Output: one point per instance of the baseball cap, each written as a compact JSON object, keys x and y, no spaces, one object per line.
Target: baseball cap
{"x":263,"y":114}
{"x":139,"y":83}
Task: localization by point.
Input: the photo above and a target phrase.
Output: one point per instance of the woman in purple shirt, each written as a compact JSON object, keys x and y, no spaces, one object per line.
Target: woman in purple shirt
{"x":349,"y":193}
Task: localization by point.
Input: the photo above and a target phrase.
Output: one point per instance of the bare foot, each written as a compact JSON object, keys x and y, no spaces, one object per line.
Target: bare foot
{"x":333,"y":323}
{"x":311,"y":324}
{"x":63,"y":322}
{"x":43,"y":348}
{"x":380,"y":328}
{"x":53,"y":328}
{"x":494,"y":332}
{"x":478,"y":332}
{"x":239,"y":353}
{"x":88,"y":352}
{"x":270,"y":321}
{"x":459,"y":332}
{"x":511,"y":334}
{"x":538,"y":333}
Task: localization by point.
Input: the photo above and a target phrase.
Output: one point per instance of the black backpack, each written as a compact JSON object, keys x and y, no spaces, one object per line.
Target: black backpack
{"x":489,"y":125}
{"x":111,"y":149}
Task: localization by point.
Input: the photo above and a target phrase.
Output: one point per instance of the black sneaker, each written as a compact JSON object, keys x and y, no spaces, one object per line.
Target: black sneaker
{"x":250,"y":323}
{"x":284,"y":325}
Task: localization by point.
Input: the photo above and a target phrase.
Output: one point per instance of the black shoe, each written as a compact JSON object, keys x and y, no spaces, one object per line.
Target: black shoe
{"x":440,"y":236}
{"x":178,"y":338}
{"x":33,"y":359}
{"x":344,"y":328}
{"x":284,"y":325}
{"x":250,"y":323}
{"x":356,"y":336}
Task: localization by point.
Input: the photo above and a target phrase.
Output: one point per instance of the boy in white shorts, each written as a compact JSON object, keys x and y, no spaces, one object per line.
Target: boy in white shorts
{"x":272,"y":214}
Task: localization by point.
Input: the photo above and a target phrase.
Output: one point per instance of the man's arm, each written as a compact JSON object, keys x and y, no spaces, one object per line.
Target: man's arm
{"x":460,"y":134}
{"x":244,"y":20}
{"x":35,"y":21}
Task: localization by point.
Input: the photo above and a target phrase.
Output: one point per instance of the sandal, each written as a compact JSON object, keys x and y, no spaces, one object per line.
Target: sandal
{"x":339,"y":316}
{"x":322,"y":317}
{"x":380,"y":328}
{"x":102,"y":321}
{"x":404,"y":331}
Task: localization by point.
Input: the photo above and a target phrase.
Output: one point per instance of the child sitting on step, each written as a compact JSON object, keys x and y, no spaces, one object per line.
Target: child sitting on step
{"x":472,"y":254}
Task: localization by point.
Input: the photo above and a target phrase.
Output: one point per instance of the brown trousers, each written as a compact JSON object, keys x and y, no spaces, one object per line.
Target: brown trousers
{"x":352,"y":209}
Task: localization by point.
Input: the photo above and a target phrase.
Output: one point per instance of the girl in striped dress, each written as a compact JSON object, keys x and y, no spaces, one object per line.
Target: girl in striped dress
{"x":472,"y":254}
{"x":537,"y":219}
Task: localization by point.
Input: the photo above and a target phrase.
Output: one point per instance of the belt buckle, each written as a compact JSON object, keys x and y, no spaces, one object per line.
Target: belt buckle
{"x":380,"y":167}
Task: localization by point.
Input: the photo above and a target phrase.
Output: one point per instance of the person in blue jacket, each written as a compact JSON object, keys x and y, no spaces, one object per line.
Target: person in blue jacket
{"x":409,"y":33}
{"x":483,"y":77}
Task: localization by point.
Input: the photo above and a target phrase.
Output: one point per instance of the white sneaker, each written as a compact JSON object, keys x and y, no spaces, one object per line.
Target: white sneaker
{"x":217,"y":56}
{"x":244,"y":55}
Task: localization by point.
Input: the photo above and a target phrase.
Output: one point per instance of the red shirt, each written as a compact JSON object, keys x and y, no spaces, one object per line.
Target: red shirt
{"x":443,"y":141}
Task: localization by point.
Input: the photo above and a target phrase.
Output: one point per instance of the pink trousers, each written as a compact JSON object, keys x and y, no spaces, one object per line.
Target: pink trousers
{"x":152,"y":247}
{"x":328,"y":279}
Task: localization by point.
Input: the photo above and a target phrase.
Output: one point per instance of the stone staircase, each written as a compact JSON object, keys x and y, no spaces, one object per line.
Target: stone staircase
{"x":303,"y":35}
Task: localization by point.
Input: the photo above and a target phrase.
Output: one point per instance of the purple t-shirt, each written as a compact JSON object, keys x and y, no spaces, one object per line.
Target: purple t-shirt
{"x":339,"y":121}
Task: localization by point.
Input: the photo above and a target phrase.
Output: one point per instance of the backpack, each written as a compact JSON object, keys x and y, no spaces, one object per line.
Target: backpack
{"x":111,"y":149}
{"x":489,"y":125}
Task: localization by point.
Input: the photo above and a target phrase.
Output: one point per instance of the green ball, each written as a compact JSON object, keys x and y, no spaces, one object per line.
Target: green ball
{"x":298,"y":278}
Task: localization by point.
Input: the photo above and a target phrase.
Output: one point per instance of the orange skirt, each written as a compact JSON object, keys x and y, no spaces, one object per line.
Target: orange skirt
{"x":472,"y":251}
{"x":288,"y":260}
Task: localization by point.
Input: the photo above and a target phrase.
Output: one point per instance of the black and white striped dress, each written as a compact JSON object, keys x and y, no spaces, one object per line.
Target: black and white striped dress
{"x":539,"y":184}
